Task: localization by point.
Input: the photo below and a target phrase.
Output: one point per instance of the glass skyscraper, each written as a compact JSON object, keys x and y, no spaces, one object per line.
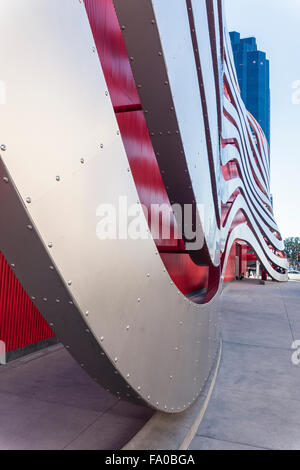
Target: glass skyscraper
{"x":253,"y":71}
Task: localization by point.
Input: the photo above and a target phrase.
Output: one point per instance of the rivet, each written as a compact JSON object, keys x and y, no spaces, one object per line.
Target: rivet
{"x":128,"y":376}
{"x":87,"y":330}
{"x":33,"y":298}
{"x":106,"y":93}
{"x":5,"y":179}
{"x":82,"y":160}
{"x":28,"y":200}
{"x":102,"y":339}
{"x":67,"y":347}
{"x":157,"y":403}
{"x":50,"y":245}
{"x":51,"y":324}
{"x":101,"y":146}
{"x":45,"y":299}
{"x":13,"y":265}
{"x":3,"y":148}
{"x":118,"y":132}
{"x":148,"y":397}
{"x":116,"y":359}
{"x":127,"y":327}
{"x":102,"y":354}
{"x":58,"y":178}
{"x":52,"y":268}
{"x":87,"y":313}
{"x":159,"y":53}
{"x":153,"y":21}
{"x":70,"y":302}
{"x":138,"y":299}
{"x":123,"y":27}
{"x":29,"y":227}
{"x":82,"y":365}
{"x":57,"y":301}
{"x":139,"y":388}
{"x":148,"y":275}
{"x":69,"y":283}
{"x":132,"y":59}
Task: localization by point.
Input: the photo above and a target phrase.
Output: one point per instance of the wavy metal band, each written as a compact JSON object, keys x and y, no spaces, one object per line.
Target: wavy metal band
{"x":137,"y":98}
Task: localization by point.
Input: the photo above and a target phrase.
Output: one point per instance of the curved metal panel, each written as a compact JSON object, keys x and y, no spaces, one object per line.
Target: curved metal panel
{"x":140,"y":315}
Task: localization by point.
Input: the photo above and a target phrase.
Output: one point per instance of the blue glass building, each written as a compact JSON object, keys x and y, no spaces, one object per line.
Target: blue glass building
{"x":253,"y":71}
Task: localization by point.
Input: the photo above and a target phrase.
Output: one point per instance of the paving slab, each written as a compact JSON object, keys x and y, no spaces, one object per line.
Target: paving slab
{"x":256,"y":400}
{"x":48,"y":402}
{"x":205,"y":443}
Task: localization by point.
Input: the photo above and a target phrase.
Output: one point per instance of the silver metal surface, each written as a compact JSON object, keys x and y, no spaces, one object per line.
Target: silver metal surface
{"x":112,"y":302}
{"x":58,"y":113}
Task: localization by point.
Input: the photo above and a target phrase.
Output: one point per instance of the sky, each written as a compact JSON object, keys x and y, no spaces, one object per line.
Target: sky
{"x":276,"y":25}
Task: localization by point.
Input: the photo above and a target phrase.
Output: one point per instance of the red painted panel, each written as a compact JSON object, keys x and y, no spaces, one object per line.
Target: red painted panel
{"x":147,"y":175}
{"x":112,"y":52}
{"x":230,"y":268}
{"x":21,"y":323}
{"x":243,"y":259}
{"x":187,"y":276}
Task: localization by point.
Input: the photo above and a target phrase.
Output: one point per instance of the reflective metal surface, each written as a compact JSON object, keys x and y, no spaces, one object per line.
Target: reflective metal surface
{"x":115,"y":303}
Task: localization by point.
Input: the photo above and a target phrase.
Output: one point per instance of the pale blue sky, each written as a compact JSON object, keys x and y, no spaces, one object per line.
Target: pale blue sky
{"x":276,"y":25}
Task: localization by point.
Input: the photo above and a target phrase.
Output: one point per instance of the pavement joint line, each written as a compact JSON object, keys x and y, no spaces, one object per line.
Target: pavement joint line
{"x":85,"y":429}
{"x":33,"y":398}
{"x":287,"y":314}
{"x":257,"y":394}
{"x":233,"y":442}
{"x":23,"y":361}
{"x":256,"y":345}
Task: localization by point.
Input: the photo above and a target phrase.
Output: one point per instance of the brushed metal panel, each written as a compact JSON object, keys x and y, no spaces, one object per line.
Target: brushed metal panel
{"x":59,"y":113}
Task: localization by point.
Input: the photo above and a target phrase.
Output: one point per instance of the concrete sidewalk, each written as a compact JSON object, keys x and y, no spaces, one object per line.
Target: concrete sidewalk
{"x":48,"y":402}
{"x":256,"y":400}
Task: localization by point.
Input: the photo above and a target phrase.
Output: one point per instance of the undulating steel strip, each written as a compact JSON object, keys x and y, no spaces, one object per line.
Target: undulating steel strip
{"x":112,"y":301}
